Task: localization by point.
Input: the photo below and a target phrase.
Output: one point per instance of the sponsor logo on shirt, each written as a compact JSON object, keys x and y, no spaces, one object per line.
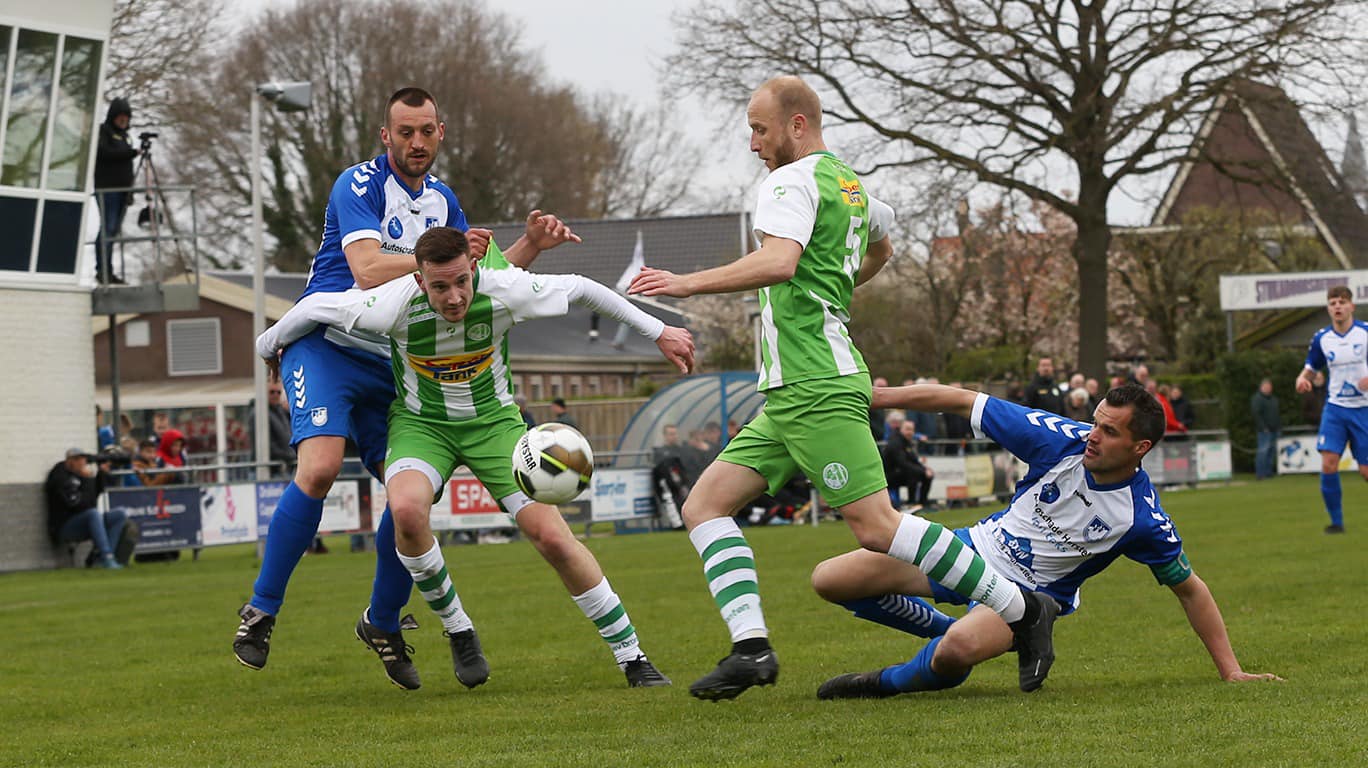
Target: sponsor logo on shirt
{"x":1018,"y":548}
{"x":455,"y":369}
{"x":850,"y":190}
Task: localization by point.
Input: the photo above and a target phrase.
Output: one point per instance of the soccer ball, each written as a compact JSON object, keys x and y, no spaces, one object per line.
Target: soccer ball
{"x":552,"y":463}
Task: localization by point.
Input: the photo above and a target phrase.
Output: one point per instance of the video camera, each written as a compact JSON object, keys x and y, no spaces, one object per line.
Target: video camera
{"x":117,"y":458}
{"x":145,"y":138}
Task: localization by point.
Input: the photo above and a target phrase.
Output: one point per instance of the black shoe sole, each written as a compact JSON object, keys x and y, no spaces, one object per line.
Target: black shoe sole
{"x":725,"y":692}
{"x":248,"y":664}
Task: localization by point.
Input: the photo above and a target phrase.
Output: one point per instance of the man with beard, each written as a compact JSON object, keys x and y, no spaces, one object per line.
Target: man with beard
{"x":1084,"y":503}
{"x":339,"y":384}
{"x":813,"y":221}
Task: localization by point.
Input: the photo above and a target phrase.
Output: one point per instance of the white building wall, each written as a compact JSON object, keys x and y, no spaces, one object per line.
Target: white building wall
{"x":47,"y":380}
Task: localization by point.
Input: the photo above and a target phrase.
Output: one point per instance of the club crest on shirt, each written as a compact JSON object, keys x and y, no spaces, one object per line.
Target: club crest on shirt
{"x":850,"y":190}
{"x":318,"y":416}
{"x":396,"y":228}
{"x":1049,"y":493}
{"x":1097,"y":529}
{"x":478,"y":331}
{"x":835,"y":475}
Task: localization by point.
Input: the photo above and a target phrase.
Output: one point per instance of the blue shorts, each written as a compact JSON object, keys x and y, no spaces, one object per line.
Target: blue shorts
{"x":1340,"y":425}
{"x":340,"y":392}
{"x":941,"y":594}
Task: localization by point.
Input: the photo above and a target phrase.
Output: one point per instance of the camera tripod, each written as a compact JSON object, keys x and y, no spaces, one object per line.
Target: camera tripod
{"x":155,"y":215}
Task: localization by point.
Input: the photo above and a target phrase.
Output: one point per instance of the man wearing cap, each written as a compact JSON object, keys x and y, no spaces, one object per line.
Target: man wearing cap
{"x":73,"y":488}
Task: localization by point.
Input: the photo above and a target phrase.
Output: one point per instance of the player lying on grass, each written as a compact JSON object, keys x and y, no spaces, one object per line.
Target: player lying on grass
{"x":447,"y":327}
{"x":1085,"y":502}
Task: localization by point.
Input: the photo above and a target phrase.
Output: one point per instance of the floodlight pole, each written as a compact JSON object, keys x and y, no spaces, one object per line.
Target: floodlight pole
{"x":288,"y":97}
{"x":261,"y":423}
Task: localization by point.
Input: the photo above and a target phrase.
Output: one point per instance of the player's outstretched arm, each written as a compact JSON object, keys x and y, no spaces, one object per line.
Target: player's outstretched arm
{"x":543,"y":232}
{"x":774,"y":262}
{"x":931,"y":398}
{"x":1205,"y":618}
{"x":376,"y":310}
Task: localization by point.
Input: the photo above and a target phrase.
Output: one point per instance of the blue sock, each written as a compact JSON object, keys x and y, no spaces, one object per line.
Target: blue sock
{"x":912,"y":615}
{"x":1330,"y":491}
{"x":293,"y":528}
{"x":917,"y":675}
{"x":393,"y":583}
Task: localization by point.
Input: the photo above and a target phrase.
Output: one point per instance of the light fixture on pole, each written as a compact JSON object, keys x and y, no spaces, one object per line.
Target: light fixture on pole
{"x":287,"y":97}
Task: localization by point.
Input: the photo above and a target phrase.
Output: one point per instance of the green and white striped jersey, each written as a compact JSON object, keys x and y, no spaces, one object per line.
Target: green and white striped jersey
{"x":818,"y":202}
{"x":453,"y":371}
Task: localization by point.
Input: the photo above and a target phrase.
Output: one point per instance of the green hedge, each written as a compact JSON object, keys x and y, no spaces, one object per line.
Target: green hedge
{"x":1238,"y":375}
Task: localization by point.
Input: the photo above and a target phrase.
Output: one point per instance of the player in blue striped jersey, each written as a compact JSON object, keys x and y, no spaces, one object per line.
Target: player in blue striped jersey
{"x":1341,"y":347}
{"x":339,"y":384}
{"x":1084,"y":503}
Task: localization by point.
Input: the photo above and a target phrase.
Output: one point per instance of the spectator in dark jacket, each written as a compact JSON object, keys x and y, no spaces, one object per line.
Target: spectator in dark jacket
{"x":1263,"y":406}
{"x":73,"y":489}
{"x":1042,"y":392}
{"x":113,"y":170}
{"x":903,"y":467}
{"x":1182,"y":409}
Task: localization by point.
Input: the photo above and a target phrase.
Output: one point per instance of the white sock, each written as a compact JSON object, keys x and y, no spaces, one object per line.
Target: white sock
{"x":729,"y":565}
{"x":602,"y":606}
{"x":430,"y":574}
{"x":944,"y":558}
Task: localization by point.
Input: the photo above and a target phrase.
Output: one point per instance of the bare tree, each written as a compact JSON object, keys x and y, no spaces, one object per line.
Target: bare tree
{"x":1022,"y":93}
{"x":513,"y":142}
{"x":1169,"y":278}
{"x":654,"y":164}
{"x":154,"y":45}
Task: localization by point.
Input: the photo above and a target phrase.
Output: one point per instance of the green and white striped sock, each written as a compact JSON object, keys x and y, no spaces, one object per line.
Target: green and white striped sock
{"x":729,"y":565}
{"x":942,"y":556}
{"x":430,"y":574}
{"x":602,"y":606}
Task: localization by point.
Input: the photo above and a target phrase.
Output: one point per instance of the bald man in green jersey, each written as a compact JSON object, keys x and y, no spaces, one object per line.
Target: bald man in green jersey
{"x":820,"y":235}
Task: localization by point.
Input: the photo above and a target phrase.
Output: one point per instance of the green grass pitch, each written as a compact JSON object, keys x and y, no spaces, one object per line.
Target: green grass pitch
{"x":135,"y":668}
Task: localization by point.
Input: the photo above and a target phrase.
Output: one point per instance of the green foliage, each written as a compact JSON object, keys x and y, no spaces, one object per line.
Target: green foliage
{"x":987,"y":364}
{"x":645,"y":387}
{"x":1239,"y":374}
{"x":134,"y":668}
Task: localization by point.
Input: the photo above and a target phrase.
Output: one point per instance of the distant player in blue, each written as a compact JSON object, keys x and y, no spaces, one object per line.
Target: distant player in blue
{"x":339,"y":384}
{"x":1084,"y":503}
{"x":1341,"y":347}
